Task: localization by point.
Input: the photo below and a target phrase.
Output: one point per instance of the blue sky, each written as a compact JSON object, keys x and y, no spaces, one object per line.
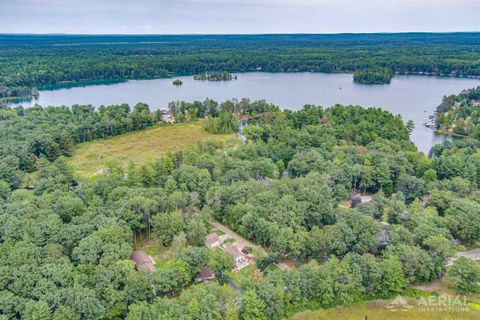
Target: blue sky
{"x":237,"y":16}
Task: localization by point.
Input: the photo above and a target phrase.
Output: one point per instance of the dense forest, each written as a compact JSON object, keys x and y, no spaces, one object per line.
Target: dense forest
{"x":66,"y":246}
{"x":460,"y":114}
{"x":32,"y":61}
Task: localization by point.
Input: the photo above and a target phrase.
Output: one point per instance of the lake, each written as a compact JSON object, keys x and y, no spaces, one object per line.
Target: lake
{"x":414,"y":97}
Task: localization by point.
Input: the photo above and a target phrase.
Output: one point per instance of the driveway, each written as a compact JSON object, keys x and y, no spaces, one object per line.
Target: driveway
{"x":240,"y":242}
{"x":234,"y":286}
{"x":283,"y":266}
{"x":471,"y":254}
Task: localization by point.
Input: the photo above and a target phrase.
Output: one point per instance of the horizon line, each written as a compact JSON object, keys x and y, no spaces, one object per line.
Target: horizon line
{"x":233,"y":34}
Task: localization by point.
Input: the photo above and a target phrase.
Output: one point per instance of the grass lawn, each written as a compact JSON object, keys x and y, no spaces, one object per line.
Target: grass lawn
{"x":139,"y":147}
{"x":472,"y":246}
{"x":377,"y":310}
{"x":250,"y":273}
{"x":444,"y":287}
{"x":219,"y":233}
{"x":154,"y":248}
{"x":212,"y":229}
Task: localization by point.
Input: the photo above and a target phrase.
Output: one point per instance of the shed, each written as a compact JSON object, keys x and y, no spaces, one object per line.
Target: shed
{"x":205,"y":275}
{"x":357,"y":199}
{"x":143,"y":261}
{"x":212,"y":241}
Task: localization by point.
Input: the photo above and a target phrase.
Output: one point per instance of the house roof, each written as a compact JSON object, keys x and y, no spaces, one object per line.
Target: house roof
{"x":232,"y":251}
{"x":143,"y":261}
{"x":366,"y":199}
{"x":211,"y":239}
{"x":206,"y":274}
{"x":363,"y":199}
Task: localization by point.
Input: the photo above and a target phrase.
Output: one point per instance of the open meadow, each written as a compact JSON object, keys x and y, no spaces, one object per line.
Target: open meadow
{"x":383,"y":310}
{"x":140,"y":146}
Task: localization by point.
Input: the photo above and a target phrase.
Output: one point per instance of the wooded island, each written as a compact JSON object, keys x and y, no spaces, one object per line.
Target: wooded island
{"x":215,"y":76}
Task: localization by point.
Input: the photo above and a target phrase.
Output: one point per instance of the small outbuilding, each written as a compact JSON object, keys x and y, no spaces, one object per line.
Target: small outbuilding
{"x":143,"y":261}
{"x":357,"y":199}
{"x":212,"y":240}
{"x":205,"y":275}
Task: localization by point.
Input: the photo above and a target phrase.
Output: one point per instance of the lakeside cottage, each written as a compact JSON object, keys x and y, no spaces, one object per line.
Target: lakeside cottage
{"x":143,"y":261}
{"x":239,"y":259}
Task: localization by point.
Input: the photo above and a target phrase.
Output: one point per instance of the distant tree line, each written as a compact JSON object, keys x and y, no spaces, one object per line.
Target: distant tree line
{"x":30,"y":61}
{"x":215,"y":76}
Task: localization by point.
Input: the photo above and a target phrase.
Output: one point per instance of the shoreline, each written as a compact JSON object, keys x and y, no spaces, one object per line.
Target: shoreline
{"x":450,"y":134}
{"x":95,"y":82}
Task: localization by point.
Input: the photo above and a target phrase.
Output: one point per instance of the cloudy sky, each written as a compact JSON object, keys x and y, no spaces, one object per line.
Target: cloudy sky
{"x":237,"y":16}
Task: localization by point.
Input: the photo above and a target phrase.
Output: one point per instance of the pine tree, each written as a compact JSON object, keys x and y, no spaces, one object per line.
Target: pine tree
{"x":37,"y":310}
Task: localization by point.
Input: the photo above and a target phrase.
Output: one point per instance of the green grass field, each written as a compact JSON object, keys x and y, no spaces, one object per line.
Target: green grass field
{"x":141,"y":146}
{"x":379,"y":310}
{"x":444,"y":287}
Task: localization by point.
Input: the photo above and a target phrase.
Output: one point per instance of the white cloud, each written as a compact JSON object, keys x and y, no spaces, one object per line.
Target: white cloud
{"x":238,"y":16}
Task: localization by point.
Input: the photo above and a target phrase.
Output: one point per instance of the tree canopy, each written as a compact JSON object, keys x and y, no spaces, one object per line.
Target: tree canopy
{"x":66,"y":244}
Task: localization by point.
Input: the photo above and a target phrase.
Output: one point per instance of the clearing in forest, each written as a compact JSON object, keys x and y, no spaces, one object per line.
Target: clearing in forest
{"x":141,"y":146}
{"x":392,"y":310}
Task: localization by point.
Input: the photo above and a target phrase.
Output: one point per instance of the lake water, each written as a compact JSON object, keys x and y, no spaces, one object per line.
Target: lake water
{"x":414,"y":97}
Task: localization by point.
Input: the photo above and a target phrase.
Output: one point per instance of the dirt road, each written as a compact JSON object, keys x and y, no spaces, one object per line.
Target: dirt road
{"x":240,"y":242}
{"x":471,"y":254}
